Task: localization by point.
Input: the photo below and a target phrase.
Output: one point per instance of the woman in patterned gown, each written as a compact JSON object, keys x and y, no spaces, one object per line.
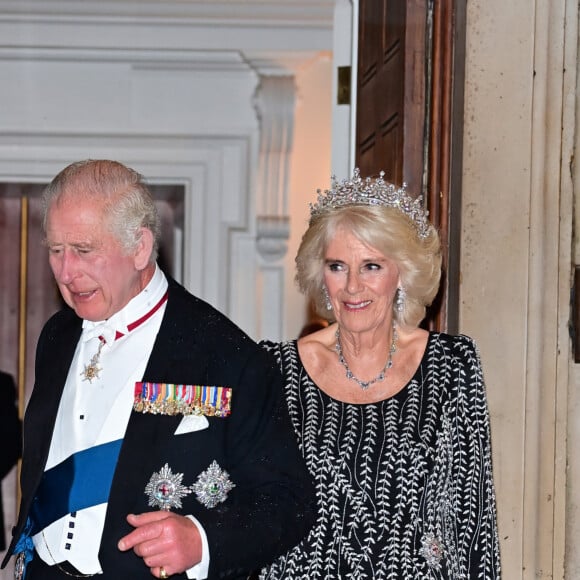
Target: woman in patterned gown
{"x":392,"y":419}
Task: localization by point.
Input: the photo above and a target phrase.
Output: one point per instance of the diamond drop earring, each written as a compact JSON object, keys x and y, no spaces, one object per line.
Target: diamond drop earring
{"x":327,"y":301}
{"x":400,"y":299}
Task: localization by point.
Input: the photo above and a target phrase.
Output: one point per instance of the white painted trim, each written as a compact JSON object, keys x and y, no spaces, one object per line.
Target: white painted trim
{"x":239,"y":13}
{"x":234,"y":25}
{"x":344,"y":116}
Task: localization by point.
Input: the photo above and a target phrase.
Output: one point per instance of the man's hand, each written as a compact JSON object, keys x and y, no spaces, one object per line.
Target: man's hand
{"x":164,"y":540}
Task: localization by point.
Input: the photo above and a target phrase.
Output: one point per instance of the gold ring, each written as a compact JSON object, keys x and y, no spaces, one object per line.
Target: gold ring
{"x":162,"y":572}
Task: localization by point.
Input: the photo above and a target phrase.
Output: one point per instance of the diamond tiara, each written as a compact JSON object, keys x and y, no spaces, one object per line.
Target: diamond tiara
{"x":359,"y":191}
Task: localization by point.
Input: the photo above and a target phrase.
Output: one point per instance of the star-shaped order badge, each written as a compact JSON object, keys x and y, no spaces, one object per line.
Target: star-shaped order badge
{"x":165,"y":489}
{"x":212,"y":486}
{"x":432,"y":550}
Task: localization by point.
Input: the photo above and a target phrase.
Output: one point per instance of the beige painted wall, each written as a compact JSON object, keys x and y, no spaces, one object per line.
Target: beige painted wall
{"x":309,"y":170}
{"x":573,"y":429}
{"x":494,"y":246}
{"x":516,"y":238}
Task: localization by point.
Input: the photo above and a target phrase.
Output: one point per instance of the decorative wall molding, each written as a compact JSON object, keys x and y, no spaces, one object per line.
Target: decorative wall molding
{"x":273,"y":25}
{"x":239,"y":13}
{"x":274,"y":102}
{"x":224,"y":117}
{"x":272,"y":233}
{"x":195,"y":60}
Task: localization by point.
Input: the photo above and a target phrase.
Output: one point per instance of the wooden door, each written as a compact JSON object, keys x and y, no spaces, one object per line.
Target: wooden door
{"x":409,"y":115}
{"x":391,"y":90}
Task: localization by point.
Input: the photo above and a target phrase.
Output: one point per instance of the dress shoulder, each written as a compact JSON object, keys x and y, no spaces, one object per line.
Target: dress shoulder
{"x":279,"y":348}
{"x":456,"y":341}
{"x":268,"y":345}
{"x":460,"y":346}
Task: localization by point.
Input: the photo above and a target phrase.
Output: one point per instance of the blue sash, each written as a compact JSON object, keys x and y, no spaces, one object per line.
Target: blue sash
{"x":80,"y":481}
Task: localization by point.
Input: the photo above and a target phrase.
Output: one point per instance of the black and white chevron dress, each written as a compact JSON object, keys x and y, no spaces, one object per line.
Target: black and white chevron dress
{"x":404,"y":486}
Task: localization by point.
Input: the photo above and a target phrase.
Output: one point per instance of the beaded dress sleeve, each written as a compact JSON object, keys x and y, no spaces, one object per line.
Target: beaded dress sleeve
{"x":466,"y":496}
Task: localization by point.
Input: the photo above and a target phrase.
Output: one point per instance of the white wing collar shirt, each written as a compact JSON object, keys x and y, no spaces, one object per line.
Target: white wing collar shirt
{"x":95,"y":409}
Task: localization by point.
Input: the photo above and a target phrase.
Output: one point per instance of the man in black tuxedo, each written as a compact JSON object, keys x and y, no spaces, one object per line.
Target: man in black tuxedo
{"x":10,"y":435}
{"x":156,"y":440}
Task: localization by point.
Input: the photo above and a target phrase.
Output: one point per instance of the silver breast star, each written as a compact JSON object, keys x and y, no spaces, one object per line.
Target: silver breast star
{"x":212,"y":486}
{"x":165,"y":490}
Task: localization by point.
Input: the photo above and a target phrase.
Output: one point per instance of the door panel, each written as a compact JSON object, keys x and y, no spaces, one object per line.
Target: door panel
{"x":410,"y":113}
{"x":381,"y":68}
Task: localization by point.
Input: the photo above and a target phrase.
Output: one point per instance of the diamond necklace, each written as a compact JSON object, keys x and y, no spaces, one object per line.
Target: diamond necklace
{"x":364,"y":385}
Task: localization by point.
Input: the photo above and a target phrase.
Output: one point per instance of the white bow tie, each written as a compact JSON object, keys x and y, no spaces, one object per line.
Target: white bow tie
{"x":96,"y":330}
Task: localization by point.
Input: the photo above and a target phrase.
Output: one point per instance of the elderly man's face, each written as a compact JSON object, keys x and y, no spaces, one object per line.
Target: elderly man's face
{"x":96,"y":277}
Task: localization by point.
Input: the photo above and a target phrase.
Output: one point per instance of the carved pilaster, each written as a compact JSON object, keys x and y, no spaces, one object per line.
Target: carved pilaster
{"x":274,"y":102}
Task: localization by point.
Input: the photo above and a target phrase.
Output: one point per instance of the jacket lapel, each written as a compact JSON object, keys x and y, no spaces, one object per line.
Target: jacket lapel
{"x":55,"y":353}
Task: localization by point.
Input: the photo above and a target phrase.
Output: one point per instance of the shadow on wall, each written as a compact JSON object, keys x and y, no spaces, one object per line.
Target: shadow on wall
{"x":312,"y":326}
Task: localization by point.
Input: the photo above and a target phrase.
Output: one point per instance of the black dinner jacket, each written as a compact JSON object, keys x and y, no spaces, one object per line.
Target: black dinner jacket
{"x":10,"y":436}
{"x":271,"y":507}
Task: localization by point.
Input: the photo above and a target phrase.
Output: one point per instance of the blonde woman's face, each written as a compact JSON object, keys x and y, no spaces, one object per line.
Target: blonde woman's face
{"x":361,"y":283}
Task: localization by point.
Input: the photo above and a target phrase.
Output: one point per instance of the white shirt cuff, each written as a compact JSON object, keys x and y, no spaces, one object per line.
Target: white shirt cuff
{"x":199,"y":571}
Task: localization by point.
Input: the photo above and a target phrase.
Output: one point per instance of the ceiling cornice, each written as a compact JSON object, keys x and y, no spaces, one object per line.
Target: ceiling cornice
{"x":142,"y":25}
{"x":257,"y":13}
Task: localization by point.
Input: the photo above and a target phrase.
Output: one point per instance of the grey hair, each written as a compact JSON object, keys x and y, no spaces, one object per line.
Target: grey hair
{"x":387,"y":230}
{"x":128,"y":203}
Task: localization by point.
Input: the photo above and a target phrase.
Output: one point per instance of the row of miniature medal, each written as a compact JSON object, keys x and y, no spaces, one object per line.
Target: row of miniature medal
{"x":171,"y":399}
